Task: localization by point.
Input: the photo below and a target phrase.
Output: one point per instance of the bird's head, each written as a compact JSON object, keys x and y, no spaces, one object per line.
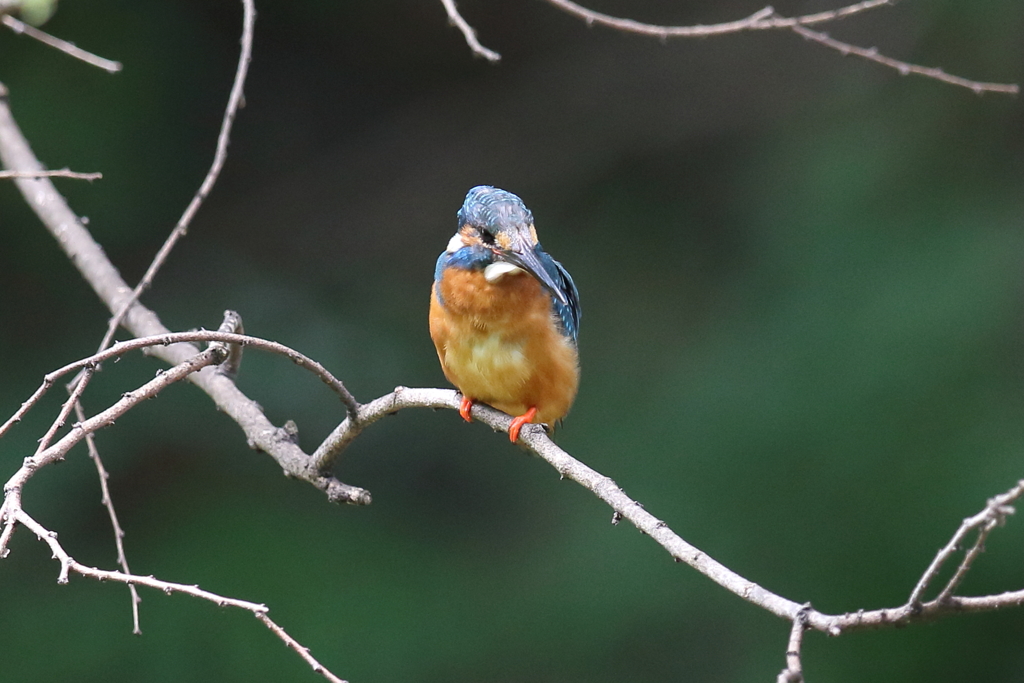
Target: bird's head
{"x":499,"y":221}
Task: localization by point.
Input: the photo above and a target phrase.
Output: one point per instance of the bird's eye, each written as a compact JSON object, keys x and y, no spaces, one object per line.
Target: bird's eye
{"x":487,"y":238}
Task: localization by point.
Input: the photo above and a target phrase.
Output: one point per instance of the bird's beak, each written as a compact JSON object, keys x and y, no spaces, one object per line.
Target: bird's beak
{"x":522,"y":254}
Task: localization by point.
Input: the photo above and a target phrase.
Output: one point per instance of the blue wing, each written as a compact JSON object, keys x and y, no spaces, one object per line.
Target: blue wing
{"x":568,"y":314}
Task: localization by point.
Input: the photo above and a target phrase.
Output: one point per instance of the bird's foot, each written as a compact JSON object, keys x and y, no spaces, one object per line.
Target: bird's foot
{"x":518,"y":422}
{"x":465,"y":406}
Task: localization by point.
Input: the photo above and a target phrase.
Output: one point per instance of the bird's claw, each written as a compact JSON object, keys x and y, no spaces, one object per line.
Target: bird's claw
{"x":518,"y":422}
{"x":465,"y":406}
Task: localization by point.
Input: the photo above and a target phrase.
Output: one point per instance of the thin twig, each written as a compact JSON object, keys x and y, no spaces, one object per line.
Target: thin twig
{"x":297,"y":647}
{"x":763,"y":19}
{"x":227,"y":339}
{"x":995,"y":513}
{"x":108,"y":503}
{"x":794,"y":671}
{"x":904,"y":68}
{"x":468,"y":33}
{"x":68,"y":565}
{"x":235,"y":101}
{"x":65,"y":410}
{"x":768,"y":19}
{"x":14,"y":486}
{"x":26,"y":406}
{"x":105,"y":418}
{"x":969,"y":557}
{"x":776,"y":21}
{"x":31,"y":465}
{"x":62,"y":45}
{"x":59,"y":173}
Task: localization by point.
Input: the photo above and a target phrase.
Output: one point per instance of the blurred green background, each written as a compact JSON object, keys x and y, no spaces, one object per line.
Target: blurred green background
{"x":801,"y":278}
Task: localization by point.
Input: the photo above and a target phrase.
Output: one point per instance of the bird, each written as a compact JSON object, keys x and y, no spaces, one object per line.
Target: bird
{"x":504,"y":315}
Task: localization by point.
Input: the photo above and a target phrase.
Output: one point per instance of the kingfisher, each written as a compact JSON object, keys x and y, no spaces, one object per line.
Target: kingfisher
{"x":504,"y":315}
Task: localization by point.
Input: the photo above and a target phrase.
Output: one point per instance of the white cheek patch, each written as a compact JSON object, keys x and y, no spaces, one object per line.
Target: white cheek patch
{"x":496,"y":271}
{"x":455,"y":243}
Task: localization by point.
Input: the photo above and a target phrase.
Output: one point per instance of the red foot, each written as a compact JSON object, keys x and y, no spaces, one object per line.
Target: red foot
{"x":518,"y":422}
{"x":464,"y":407}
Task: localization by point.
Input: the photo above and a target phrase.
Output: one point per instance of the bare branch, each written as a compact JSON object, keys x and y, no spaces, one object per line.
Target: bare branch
{"x":60,"y":173}
{"x":62,"y":45}
{"x":904,"y":68}
{"x":277,"y":443}
{"x":969,"y":557}
{"x":10,"y":522}
{"x":92,"y":262}
{"x":11,"y":512}
{"x":26,"y":406}
{"x":68,"y":565}
{"x":107,"y":417}
{"x":223,"y":339}
{"x":994,"y":514}
{"x":467,"y":31}
{"x":108,"y":503}
{"x":235,"y":101}
{"x":763,"y":19}
{"x":297,"y":647}
{"x":624,"y":507}
{"x":14,"y":485}
{"x":62,"y":416}
{"x":776,"y":21}
{"x":535,"y":438}
{"x":768,"y":19}
{"x":794,"y":671}
{"x":604,"y":488}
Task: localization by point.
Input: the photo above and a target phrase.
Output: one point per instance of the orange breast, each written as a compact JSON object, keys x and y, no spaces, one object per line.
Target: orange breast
{"x":500,"y":343}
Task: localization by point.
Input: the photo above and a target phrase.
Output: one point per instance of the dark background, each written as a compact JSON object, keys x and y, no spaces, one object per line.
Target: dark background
{"x":801,"y":342}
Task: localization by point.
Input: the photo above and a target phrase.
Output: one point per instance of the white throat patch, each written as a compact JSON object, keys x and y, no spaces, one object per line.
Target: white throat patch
{"x":455,"y":243}
{"x":496,"y":271}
